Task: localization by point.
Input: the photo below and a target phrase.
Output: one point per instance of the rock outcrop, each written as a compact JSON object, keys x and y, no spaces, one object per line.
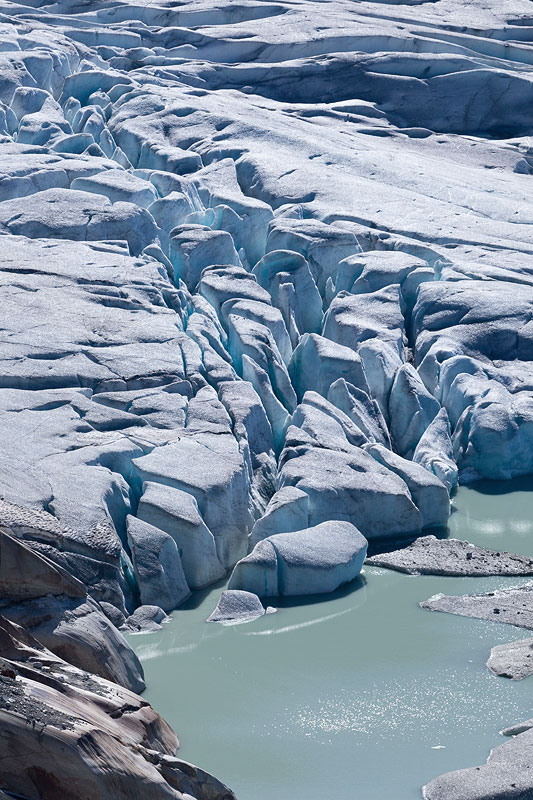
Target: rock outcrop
{"x":505,"y":776}
{"x":512,"y":660}
{"x":67,"y":733}
{"x":513,"y":606}
{"x":431,"y":556}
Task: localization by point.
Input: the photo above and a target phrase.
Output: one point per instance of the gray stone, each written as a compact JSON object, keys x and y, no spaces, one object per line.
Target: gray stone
{"x":25,"y":574}
{"x":65,"y":731}
{"x":431,"y":556}
{"x":507,"y":775}
{"x":79,"y":633}
{"x":512,"y":660}
{"x":512,"y":606}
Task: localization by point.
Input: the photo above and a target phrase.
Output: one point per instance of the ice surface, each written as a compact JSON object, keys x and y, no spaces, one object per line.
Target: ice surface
{"x":264,"y":267}
{"x":309,"y":561}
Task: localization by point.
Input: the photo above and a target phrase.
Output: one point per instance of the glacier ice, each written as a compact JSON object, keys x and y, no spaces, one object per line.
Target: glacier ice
{"x":258,"y":276}
{"x":157,"y":563}
{"x":235,"y":607}
{"x":310,"y":561}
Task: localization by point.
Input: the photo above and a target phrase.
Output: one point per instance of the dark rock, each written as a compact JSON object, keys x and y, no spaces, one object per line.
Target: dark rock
{"x":67,"y":734}
{"x":24,"y":574}
{"x":79,"y":633}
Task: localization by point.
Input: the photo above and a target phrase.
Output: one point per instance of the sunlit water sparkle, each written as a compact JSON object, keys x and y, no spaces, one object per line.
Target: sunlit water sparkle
{"x":361,"y":694}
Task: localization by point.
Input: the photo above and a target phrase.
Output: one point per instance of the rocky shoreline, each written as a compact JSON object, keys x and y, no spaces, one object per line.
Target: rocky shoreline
{"x":71,"y":724}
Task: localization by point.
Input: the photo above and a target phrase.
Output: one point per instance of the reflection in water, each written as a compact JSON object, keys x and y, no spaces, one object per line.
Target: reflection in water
{"x":360,"y":693}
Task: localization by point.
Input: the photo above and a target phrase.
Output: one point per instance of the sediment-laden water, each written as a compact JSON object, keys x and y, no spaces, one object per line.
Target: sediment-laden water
{"x":360,"y":694}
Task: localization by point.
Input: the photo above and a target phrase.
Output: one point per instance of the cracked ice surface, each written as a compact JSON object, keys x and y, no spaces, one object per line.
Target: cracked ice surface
{"x":267,"y":269}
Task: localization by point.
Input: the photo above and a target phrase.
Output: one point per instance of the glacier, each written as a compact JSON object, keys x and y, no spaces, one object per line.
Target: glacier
{"x":267,"y":286}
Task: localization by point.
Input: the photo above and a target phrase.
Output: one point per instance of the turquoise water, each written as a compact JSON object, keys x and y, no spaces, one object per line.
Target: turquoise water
{"x":361,"y":695}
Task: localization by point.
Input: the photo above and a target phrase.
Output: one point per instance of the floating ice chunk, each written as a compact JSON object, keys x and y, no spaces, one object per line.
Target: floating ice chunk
{"x":411,"y":409}
{"x":236,"y":607}
{"x":146,"y":619}
{"x":310,"y":561}
{"x":434,"y":450}
{"x":157,"y":564}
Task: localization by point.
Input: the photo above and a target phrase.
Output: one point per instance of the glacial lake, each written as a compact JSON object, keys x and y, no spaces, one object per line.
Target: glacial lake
{"x":361,"y":694}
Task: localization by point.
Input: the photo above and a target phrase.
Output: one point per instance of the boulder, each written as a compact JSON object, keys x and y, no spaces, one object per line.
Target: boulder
{"x":81,"y":634}
{"x":25,"y":574}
